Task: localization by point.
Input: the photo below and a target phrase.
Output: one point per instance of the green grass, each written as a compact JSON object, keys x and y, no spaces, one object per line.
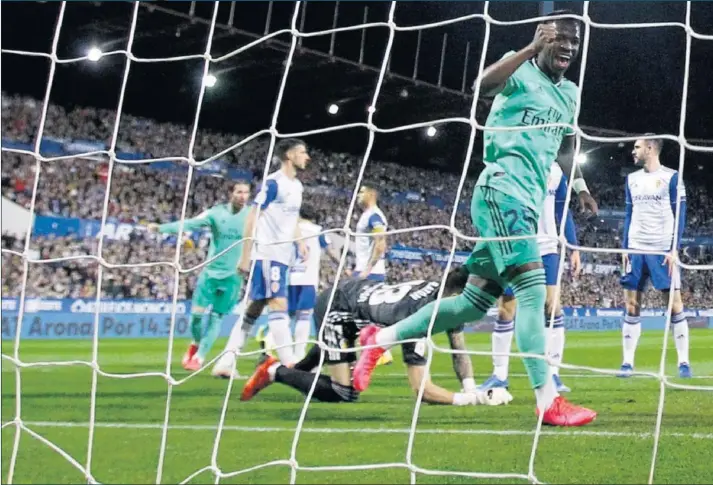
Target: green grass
{"x":617,"y":448}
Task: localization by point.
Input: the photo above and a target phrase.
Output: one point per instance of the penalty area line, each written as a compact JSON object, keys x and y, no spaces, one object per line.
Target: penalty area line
{"x":276,"y":429}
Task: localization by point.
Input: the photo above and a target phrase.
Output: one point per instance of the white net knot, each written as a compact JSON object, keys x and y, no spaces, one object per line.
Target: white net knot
{"x":170,"y":380}
{"x":90,"y":479}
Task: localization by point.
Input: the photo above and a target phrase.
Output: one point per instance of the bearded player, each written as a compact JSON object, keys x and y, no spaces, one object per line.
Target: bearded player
{"x":218,"y":286}
{"x":279,"y":204}
{"x":304,"y":281}
{"x":356,"y":303}
{"x":530,"y":90}
{"x":503,"y":331}
{"x":371,"y":251}
{"x":651,"y":194}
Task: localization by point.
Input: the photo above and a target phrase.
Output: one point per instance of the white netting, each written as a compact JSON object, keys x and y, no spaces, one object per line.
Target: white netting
{"x":296,"y":35}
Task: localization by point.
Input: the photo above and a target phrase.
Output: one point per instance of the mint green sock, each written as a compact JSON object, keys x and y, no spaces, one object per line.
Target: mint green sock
{"x":211,"y":334}
{"x":197,"y":327}
{"x":531,"y":294}
{"x":469,"y":306}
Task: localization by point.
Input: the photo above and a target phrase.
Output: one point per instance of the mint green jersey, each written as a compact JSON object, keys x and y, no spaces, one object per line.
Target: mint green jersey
{"x":518,"y":162}
{"x":226,"y":227}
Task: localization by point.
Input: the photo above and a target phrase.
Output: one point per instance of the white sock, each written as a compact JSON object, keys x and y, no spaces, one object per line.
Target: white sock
{"x":239,"y":335}
{"x":502,"y":342}
{"x":386,"y":337}
{"x":630,"y":331}
{"x":272,"y":369}
{"x":236,"y":342}
{"x":556,"y":347}
{"x":279,"y":324}
{"x":303,"y":328}
{"x":546,"y":394}
{"x":469,"y":385}
{"x":679,"y":324}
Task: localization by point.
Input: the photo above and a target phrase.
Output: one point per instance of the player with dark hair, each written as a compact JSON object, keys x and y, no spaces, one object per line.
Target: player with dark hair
{"x":356,"y":303}
{"x":218,"y":286}
{"x":530,"y":91}
{"x":371,"y":250}
{"x":651,"y":194}
{"x":279,"y":204}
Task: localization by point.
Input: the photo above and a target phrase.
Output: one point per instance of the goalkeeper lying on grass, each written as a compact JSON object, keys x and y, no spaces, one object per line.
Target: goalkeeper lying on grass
{"x":356,"y":304}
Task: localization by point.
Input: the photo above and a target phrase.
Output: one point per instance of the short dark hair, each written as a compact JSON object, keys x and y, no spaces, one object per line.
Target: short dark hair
{"x":371,"y":185}
{"x":456,"y":280}
{"x":656,"y":142}
{"x":563,"y":11}
{"x":242,"y":182}
{"x":284,"y":146}
{"x":308,"y":212}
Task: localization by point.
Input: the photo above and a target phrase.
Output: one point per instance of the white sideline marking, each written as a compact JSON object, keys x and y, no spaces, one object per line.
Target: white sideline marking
{"x":11,"y":368}
{"x":563,"y":376}
{"x":269,"y":429}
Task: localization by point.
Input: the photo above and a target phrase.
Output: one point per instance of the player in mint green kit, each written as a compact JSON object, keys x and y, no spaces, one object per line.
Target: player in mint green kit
{"x":219,"y":283}
{"x":529,"y":90}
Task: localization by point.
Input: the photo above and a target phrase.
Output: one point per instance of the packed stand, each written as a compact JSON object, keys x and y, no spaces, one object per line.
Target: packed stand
{"x":77,"y":278}
{"x":141,"y":194}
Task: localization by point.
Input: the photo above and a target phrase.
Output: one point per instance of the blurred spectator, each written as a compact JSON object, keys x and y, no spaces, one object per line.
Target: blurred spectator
{"x":140,"y":194}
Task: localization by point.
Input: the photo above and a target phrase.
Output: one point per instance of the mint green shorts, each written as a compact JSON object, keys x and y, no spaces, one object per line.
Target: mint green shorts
{"x":496,"y":214}
{"x":222,"y":294}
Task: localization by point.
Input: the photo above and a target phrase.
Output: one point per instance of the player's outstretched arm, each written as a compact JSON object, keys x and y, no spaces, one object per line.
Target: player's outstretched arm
{"x":495,"y":76}
{"x":462,"y":365}
{"x":434,"y":394}
{"x":565,"y":159}
{"x":205,"y":219}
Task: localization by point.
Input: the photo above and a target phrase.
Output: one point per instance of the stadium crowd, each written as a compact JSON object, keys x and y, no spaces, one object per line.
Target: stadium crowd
{"x":141,"y":194}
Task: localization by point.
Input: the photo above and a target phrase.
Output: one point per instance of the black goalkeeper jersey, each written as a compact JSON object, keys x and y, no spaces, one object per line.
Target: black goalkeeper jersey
{"x":382,"y":304}
{"x":358,"y":303}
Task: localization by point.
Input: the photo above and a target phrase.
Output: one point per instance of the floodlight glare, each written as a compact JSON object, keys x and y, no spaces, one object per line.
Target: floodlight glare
{"x":94,"y":54}
{"x":210,"y":80}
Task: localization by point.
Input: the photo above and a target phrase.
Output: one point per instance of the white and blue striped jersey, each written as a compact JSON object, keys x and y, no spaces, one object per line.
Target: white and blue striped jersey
{"x":306,"y":273}
{"x":372,"y":220}
{"x":650,"y":209}
{"x":551,"y":215}
{"x":280,"y":200}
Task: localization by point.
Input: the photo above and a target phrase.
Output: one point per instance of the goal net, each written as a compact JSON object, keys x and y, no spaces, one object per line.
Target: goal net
{"x":86,"y":463}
